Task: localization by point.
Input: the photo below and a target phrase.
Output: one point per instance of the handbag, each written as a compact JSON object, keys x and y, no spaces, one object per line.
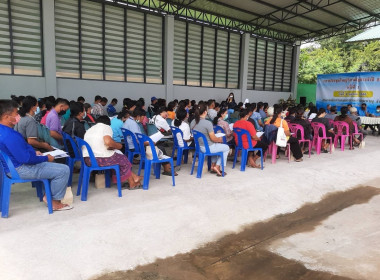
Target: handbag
{"x":281,"y":137}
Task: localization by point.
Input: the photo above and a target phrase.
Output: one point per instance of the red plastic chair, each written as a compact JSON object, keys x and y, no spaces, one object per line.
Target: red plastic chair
{"x":357,"y":132}
{"x":343,"y":131}
{"x":317,"y":140}
{"x":294,"y":128}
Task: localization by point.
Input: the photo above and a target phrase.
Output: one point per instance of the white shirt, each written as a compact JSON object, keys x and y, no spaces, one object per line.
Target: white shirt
{"x":212,"y":114}
{"x":186,"y":134}
{"x":160,"y":122}
{"x":94,"y":137}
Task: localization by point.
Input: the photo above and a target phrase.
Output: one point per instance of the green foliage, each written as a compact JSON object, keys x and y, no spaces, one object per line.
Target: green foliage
{"x":336,"y":56}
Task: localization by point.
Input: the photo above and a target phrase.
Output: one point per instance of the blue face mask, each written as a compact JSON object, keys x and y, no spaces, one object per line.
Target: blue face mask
{"x":38,"y":110}
{"x":225,"y":117}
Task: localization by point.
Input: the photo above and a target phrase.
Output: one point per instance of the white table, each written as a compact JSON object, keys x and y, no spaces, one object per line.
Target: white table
{"x":370,"y":120}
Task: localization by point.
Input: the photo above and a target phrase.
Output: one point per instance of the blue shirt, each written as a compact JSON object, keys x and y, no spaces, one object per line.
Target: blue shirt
{"x":111,"y":110}
{"x":19,"y":151}
{"x":362,"y":113}
{"x":134,"y":127}
{"x":116,"y":125}
{"x":262,"y":114}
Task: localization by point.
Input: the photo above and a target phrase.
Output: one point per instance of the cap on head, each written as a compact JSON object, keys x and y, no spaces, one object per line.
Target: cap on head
{"x":153,"y":98}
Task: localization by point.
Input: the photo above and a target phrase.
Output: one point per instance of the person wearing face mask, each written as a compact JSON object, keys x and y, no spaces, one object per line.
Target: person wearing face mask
{"x":231,"y":100}
{"x":244,"y":123}
{"x":132,"y":124}
{"x":53,"y":121}
{"x":28,"y":126}
{"x":117,"y":124}
{"x":221,"y":120}
{"x":180,"y":122}
{"x":29,"y":163}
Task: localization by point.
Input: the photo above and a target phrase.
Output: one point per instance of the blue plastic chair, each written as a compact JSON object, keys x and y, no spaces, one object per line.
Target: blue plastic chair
{"x":128,"y":151}
{"x":219,"y":129}
{"x":180,"y":150}
{"x":7,"y":182}
{"x":244,"y":152}
{"x":201,"y":156}
{"x":70,"y":161}
{"x":84,"y":175}
{"x":149,"y":162}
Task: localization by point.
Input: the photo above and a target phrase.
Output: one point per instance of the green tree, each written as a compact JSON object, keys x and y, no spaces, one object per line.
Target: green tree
{"x":336,"y":56}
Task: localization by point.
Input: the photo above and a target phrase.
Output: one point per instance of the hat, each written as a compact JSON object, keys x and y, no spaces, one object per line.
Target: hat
{"x":153,"y":98}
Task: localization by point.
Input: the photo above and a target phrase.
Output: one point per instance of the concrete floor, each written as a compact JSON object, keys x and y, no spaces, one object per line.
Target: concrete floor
{"x":108,"y":233}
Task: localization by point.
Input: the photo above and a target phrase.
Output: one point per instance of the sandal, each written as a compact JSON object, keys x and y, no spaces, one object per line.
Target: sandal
{"x":255,"y":166}
{"x":135,"y":187}
{"x":166,"y":173}
{"x":218,"y":173}
{"x":298,"y":160}
{"x":66,"y":207}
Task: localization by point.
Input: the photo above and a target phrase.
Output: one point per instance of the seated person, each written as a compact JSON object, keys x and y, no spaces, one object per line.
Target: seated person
{"x":345,"y":118}
{"x":312,"y":113}
{"x":332,"y":115}
{"x":294,"y":144}
{"x":132,"y":124}
{"x":320,"y":118}
{"x":111,"y":110}
{"x":299,"y":119}
{"x":89,"y":118}
{"x":29,"y":163}
{"x":74,"y":126}
{"x":117,"y":124}
{"x":211,"y":112}
{"x":256,"y":115}
{"x":41,"y":110}
{"x":160,"y":122}
{"x":171,"y":113}
{"x":53,"y":121}
{"x":45,"y":113}
{"x":215,"y":143}
{"x":99,"y":137}
{"x":28,"y":126}
{"x":184,"y":127}
{"x":220,"y":120}
{"x":291,"y":114}
{"x":243,"y":123}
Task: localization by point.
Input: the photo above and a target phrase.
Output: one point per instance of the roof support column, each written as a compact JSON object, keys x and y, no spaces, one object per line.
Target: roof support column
{"x":168,"y":56}
{"x":244,"y":67}
{"x":296,"y":63}
{"x":49,"y":47}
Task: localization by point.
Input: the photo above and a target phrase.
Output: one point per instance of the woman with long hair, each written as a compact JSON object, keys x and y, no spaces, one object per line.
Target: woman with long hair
{"x":215,"y":143}
{"x":179,"y":122}
{"x":276,"y":120}
{"x":220,"y":120}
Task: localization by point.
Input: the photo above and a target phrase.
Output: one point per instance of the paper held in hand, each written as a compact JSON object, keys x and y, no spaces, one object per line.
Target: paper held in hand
{"x":156,"y":137}
{"x":220,"y":134}
{"x":57,"y":153}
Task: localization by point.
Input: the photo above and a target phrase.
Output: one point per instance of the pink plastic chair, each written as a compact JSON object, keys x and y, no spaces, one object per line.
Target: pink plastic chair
{"x":331,"y":122}
{"x":342,"y":131}
{"x":294,"y":128}
{"x":317,"y":140}
{"x":272,"y":148}
{"x":357,"y":132}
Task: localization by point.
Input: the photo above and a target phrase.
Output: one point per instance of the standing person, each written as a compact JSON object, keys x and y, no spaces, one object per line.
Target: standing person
{"x":28,"y":126}
{"x":53,"y":121}
{"x":99,"y":137}
{"x":294,"y":144}
{"x":220,"y":120}
{"x":256,"y":142}
{"x":111,"y":110}
{"x":29,"y":163}
{"x":97,"y":108}
{"x":215,"y":143}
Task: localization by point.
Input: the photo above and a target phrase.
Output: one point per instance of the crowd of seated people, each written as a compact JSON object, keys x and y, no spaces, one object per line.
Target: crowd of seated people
{"x":101,"y":127}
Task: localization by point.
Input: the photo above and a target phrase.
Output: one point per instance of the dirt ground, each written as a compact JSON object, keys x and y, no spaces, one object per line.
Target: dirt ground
{"x":244,"y":255}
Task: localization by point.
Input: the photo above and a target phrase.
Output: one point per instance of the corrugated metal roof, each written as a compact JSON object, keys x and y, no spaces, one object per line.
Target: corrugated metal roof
{"x":368,"y":35}
{"x":283,"y":20}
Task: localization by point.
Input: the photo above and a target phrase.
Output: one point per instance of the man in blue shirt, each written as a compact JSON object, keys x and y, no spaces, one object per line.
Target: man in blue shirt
{"x":132,"y":124}
{"x":260,"y":108}
{"x":111,"y":110}
{"x":29,"y":163}
{"x":363,"y":112}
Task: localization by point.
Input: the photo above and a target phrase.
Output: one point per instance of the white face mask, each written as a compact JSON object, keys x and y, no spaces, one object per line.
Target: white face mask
{"x":85,"y":115}
{"x":38,"y":110}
